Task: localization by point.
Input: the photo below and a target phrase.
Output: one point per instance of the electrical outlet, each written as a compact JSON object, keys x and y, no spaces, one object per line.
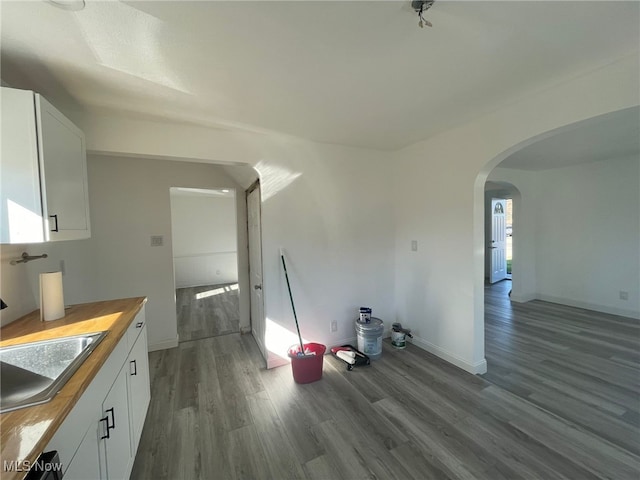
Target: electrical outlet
{"x":157,"y":240}
{"x":624,"y":295}
{"x":414,"y":245}
{"x":334,"y":326}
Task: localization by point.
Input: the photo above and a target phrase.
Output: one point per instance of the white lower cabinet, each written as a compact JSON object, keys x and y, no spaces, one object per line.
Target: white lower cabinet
{"x":86,"y":462}
{"x":116,"y":434}
{"x":99,"y":438}
{"x":139,"y":391}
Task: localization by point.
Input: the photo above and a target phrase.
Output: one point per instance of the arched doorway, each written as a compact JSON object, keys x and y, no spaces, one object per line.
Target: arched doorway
{"x":525,"y":286}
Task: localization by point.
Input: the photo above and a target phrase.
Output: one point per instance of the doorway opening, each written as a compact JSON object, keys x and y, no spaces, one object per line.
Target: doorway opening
{"x":205,"y":261}
{"x":501,"y":202}
{"x":509,"y":235}
{"x":497,"y":248}
{"x":254,"y":240}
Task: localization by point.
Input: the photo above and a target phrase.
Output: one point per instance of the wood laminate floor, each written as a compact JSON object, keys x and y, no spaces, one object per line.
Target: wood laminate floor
{"x":216,"y":413}
{"x":578,"y":364}
{"x":207,"y":311}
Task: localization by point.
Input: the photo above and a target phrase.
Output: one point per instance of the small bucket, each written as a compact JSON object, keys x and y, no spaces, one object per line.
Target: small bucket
{"x":307,"y":368}
{"x":398,"y":340}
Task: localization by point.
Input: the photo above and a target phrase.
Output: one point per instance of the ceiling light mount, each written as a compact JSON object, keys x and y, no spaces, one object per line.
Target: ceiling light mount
{"x":421,"y":6}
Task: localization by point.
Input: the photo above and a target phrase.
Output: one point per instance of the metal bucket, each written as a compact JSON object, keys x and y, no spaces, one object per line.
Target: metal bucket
{"x":370,"y":337}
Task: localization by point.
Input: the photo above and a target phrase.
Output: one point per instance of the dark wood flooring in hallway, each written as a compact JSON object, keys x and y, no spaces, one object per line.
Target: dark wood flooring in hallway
{"x":207,"y":311}
{"x":560,"y":400}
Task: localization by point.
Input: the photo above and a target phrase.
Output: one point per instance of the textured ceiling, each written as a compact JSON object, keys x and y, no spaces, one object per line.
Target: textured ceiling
{"x":353,"y":73}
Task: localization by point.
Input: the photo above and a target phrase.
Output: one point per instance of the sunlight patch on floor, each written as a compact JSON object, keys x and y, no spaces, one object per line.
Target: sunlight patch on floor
{"x":216,"y":291}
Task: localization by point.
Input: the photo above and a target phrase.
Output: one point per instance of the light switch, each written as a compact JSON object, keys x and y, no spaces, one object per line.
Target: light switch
{"x":414,"y":245}
{"x":157,"y":240}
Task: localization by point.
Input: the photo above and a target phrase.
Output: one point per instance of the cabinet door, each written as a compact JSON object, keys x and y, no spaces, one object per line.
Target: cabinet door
{"x":139,"y":391}
{"x":85,"y":464}
{"x":115,"y":427}
{"x":64,"y":175}
{"x":20,"y":203}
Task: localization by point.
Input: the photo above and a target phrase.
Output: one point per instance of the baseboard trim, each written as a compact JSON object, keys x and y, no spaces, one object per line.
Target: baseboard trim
{"x":474,"y":368}
{"x":527,"y":297}
{"x":262,"y":348}
{"x":163,"y":345}
{"x":345,"y":341}
{"x":589,"y":306}
{"x":354,"y":340}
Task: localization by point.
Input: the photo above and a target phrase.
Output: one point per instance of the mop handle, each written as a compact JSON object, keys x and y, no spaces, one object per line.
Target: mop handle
{"x":293,"y":307}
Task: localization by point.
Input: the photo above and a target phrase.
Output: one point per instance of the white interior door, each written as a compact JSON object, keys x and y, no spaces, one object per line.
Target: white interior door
{"x":498,"y":246}
{"x":255,"y":268}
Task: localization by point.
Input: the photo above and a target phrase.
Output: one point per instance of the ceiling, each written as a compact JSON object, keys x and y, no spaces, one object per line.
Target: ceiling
{"x":354,"y":73}
{"x":611,"y":136}
{"x":203,"y":192}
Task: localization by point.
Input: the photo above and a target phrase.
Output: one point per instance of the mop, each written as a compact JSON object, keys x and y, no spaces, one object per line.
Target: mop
{"x":293,"y":307}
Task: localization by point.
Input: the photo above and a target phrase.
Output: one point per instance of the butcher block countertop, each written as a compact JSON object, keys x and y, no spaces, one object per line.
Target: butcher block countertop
{"x":24,"y":433}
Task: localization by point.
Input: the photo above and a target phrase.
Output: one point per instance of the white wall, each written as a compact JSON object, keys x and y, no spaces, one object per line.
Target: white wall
{"x":129,"y":202}
{"x":439,"y":197}
{"x":316,"y":206}
{"x":204,"y":234}
{"x":329,"y":206}
{"x":335,"y":223}
{"x":14,"y":281}
{"x":588,"y":235}
{"x":568,"y":215}
{"x":337,"y":210}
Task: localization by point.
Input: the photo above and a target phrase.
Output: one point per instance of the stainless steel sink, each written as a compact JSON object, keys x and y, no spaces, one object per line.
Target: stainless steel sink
{"x":32,"y":373}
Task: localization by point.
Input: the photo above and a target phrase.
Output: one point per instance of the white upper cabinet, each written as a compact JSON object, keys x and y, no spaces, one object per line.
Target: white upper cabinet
{"x":43,"y":172}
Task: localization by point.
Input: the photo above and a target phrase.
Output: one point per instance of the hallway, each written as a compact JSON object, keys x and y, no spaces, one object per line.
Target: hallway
{"x":207,"y":311}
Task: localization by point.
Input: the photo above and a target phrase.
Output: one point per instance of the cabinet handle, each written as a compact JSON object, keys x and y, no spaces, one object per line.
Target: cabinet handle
{"x":55,"y":217}
{"x":135,"y":367}
{"x":105,"y":419}
{"x":113,"y":418}
{"x":139,"y":324}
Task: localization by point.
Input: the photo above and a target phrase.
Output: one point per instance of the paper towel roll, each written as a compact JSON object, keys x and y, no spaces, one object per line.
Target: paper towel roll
{"x":51,"y":296}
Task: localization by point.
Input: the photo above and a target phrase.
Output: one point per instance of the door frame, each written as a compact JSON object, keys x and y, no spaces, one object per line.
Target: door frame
{"x":238,"y":221}
{"x":501,"y":242}
{"x":258,"y":335}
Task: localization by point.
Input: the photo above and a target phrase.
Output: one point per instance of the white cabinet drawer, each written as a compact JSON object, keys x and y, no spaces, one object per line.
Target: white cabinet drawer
{"x":135,"y":328}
